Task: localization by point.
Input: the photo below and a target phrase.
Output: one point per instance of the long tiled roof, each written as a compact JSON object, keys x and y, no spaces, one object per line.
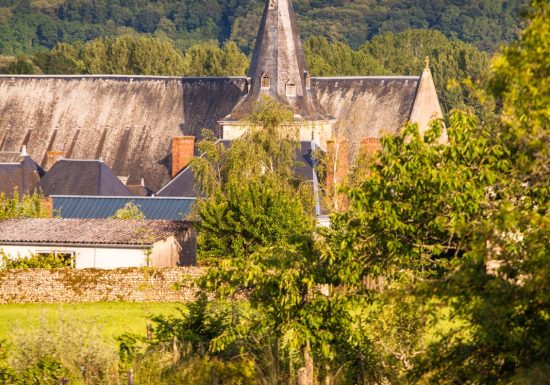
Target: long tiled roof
{"x":114,"y":232}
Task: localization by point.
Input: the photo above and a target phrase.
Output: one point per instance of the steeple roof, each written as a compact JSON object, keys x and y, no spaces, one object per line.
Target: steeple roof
{"x":278,"y":68}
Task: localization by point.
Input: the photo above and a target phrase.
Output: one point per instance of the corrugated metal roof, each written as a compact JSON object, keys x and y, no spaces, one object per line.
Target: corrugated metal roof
{"x":104,"y":207}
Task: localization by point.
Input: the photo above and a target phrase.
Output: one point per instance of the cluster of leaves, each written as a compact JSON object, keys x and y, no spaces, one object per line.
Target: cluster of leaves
{"x":132,"y":55}
{"x":28,"y":26}
{"x":129,"y":211}
{"x":38,"y":261}
{"x":28,"y":206}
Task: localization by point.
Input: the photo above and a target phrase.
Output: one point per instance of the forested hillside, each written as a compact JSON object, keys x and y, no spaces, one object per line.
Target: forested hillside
{"x":30,"y":25}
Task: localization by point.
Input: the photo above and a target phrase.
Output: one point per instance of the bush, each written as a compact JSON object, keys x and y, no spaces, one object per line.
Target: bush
{"x":37,"y":261}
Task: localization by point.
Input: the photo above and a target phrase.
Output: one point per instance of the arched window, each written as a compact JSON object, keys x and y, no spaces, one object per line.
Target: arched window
{"x":265,"y":82}
{"x":290,"y":89}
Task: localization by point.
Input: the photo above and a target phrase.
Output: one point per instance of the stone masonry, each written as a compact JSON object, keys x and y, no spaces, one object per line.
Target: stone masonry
{"x":93,"y":285}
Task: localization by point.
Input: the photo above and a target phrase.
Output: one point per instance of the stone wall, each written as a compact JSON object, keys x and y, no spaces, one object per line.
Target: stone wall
{"x":94,"y":285}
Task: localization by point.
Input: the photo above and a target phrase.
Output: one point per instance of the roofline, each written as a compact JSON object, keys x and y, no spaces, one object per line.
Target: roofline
{"x":367,"y":77}
{"x":173,"y":179}
{"x":83,"y":245}
{"x":121,"y":197}
{"x":100,"y":76}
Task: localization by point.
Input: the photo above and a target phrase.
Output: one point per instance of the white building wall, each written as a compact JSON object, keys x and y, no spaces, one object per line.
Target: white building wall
{"x":85,"y":257}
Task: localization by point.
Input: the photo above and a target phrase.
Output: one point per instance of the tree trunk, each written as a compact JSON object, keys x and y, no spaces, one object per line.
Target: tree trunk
{"x":306,"y":374}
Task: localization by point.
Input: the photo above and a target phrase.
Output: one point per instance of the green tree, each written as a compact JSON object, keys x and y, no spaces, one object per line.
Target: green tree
{"x":129,"y":211}
{"x":252,"y":199}
{"x":500,"y":290}
{"x":29,"y":206}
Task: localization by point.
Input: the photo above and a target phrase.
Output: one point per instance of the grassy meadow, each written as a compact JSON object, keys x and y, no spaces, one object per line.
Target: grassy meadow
{"x":111,"y":318}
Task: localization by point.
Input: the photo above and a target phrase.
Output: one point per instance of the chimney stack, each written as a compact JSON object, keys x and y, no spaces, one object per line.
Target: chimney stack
{"x":337,"y":171}
{"x":52,"y":157}
{"x":370,"y":146}
{"x":183,"y":151}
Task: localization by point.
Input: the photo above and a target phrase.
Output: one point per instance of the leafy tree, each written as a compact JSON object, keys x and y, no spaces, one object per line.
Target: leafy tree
{"x":236,"y":218}
{"x":129,"y":211}
{"x":500,"y":291}
{"x":29,"y":206}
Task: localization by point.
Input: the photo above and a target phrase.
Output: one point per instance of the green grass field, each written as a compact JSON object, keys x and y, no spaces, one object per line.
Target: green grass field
{"x":111,"y":318}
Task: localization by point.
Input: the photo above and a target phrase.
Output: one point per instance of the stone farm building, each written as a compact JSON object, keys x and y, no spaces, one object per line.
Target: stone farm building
{"x":144,"y":128}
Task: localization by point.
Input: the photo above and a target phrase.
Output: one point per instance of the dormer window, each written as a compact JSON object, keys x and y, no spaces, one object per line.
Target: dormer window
{"x":307,"y":78}
{"x":265,"y":82}
{"x":290,"y":89}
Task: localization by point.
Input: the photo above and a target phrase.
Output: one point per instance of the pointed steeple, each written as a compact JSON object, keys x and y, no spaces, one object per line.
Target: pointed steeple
{"x":426,"y":103}
{"x":278,"y":68}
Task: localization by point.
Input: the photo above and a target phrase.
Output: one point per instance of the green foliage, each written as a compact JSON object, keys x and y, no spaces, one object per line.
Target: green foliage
{"x":29,"y":27}
{"x":38,"y":261}
{"x":404,"y":54}
{"x":129,"y":211}
{"x":30,"y":206}
{"x":251,"y":199}
{"x":208,"y":59}
{"x":421,"y":198}
{"x":501,"y":287}
{"x":61,"y":350}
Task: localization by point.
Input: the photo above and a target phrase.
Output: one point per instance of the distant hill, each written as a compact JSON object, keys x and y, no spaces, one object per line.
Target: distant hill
{"x":27,"y":26}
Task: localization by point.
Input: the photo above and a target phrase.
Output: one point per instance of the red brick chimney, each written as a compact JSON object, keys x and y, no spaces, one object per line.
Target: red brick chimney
{"x":52,"y":157}
{"x":370,"y":146}
{"x":183,"y":151}
{"x":337,"y":171}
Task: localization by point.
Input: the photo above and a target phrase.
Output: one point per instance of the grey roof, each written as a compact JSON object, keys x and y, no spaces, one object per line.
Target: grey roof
{"x":105,"y":207}
{"x":81,"y":177}
{"x":127,"y":121}
{"x":18,"y":172}
{"x":115,"y":232}
{"x":183,"y":185}
{"x":367,"y":107}
{"x":279,"y":55}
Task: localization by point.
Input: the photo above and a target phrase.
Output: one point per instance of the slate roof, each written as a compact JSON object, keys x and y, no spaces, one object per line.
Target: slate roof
{"x":18,"y":172}
{"x":87,"y":232}
{"x":129,"y":121}
{"x":279,"y":55}
{"x":81,"y":177}
{"x":105,"y":207}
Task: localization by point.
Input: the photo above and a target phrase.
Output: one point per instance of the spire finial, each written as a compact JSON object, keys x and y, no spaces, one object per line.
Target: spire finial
{"x":427,"y":63}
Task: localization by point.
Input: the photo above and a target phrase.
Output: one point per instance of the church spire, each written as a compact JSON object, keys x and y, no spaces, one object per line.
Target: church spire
{"x":278,"y":68}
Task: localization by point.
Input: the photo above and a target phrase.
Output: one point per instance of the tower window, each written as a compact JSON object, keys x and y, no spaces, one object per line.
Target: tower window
{"x":265,"y":81}
{"x":290,"y":89}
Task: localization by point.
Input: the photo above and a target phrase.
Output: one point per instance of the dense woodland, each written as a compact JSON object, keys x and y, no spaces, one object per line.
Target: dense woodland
{"x":27,"y":26}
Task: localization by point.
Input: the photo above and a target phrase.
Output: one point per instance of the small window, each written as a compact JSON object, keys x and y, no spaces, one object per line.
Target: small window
{"x":290,"y":89}
{"x":271,"y":4}
{"x":265,"y":81}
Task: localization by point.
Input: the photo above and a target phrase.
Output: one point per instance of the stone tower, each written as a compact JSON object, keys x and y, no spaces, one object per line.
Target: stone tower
{"x":278,"y":70}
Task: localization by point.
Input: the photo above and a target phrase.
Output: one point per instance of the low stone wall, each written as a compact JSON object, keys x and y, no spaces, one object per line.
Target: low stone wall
{"x":94,"y":285}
